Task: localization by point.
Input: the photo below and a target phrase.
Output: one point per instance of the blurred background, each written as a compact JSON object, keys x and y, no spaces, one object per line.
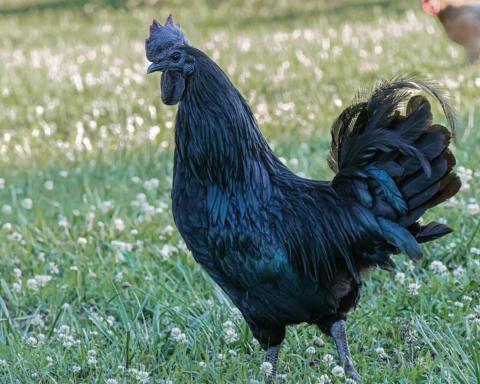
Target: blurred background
{"x":66,"y":64}
{"x":96,"y":284}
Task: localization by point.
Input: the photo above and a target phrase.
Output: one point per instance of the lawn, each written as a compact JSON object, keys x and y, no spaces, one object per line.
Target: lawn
{"x":96,"y":285}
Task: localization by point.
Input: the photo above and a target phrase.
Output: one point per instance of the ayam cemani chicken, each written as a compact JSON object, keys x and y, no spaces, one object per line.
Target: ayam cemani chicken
{"x":284,"y":248}
{"x":461,"y":20}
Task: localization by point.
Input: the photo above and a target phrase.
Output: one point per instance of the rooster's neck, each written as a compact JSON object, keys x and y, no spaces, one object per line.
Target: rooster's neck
{"x":216,"y":134}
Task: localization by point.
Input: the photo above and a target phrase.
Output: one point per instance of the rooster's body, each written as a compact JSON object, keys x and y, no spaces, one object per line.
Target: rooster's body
{"x":287,"y":249}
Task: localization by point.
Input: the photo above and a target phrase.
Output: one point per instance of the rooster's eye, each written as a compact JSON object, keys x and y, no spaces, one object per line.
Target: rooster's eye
{"x":175,"y":57}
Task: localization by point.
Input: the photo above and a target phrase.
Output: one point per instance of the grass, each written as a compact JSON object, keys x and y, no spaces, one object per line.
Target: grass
{"x":95,"y":282}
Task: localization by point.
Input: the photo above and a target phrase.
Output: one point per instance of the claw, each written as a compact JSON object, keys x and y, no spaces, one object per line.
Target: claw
{"x":353,"y":374}
{"x":278,"y":378}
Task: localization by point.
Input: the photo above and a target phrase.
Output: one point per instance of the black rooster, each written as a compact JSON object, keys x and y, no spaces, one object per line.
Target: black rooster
{"x":286,"y":249}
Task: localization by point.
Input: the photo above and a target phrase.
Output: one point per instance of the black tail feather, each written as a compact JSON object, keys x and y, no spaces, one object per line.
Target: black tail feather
{"x":397,"y":166}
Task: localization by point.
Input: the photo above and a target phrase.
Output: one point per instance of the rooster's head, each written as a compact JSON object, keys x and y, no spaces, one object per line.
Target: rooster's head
{"x":167,"y":50}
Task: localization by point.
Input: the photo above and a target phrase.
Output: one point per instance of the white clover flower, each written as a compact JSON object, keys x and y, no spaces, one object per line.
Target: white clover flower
{"x":168,"y":230}
{"x":458,"y":304}
{"x":177,"y":335}
{"x":328,"y":359}
{"x":381,"y":352}
{"x":119,"y":276}
{"x":7,"y":227}
{"x":111,"y":381}
{"x":64,"y":329}
{"x":48,"y":185}
{"x":38,"y":282}
{"x":82,"y":241}
{"x":7,"y":209}
{"x":27,"y":203}
{"x":32,"y":284}
{"x":90,"y":217}
{"x":106,"y":206}
{"x":31,"y":341}
{"x":202,"y":364}
{"x":318,"y":341}
{"x":324,"y":379}
{"x":17,"y":272}
{"x":17,"y":287}
{"x":76,"y":368}
{"x":63,"y":223}
{"x":167,"y":250}
{"x":473,"y":208}
{"x":294,"y":162}
{"x":236,"y":313}
{"x":141,"y":376}
{"x":119,"y":225}
{"x":475,"y":251}
{"x":266,"y":368}
{"x":476,"y":323}
{"x":413,"y":288}
{"x":458,"y":272}
{"x":229,"y":333}
{"x":69,"y":341}
{"x":338,"y":371}
{"x":122,"y":246}
{"x":37,"y":321}
{"x":2,"y":183}
{"x":16,"y":236}
{"x":151,"y":184}
{"x":310,"y":350}
{"x":3,"y":363}
{"x":53,"y":268}
{"x":400,"y":277}
{"x":409,"y":265}
{"x":438,"y":267}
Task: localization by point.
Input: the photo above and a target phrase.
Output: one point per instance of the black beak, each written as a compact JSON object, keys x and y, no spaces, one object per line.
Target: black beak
{"x":154,"y":67}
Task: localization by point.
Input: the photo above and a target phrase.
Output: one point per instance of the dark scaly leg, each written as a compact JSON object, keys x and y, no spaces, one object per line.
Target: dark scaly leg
{"x":338,"y":332}
{"x":272,"y":358}
{"x":270,"y":339}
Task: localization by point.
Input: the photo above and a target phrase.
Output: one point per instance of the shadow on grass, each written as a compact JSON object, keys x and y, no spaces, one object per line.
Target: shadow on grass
{"x":58,"y":5}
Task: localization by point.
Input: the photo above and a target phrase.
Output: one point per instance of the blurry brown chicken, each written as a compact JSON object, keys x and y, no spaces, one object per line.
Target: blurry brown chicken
{"x":461,"y":20}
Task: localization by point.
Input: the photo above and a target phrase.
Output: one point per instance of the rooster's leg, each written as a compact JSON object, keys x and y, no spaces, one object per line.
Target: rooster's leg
{"x":272,"y":358}
{"x":340,"y":336}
